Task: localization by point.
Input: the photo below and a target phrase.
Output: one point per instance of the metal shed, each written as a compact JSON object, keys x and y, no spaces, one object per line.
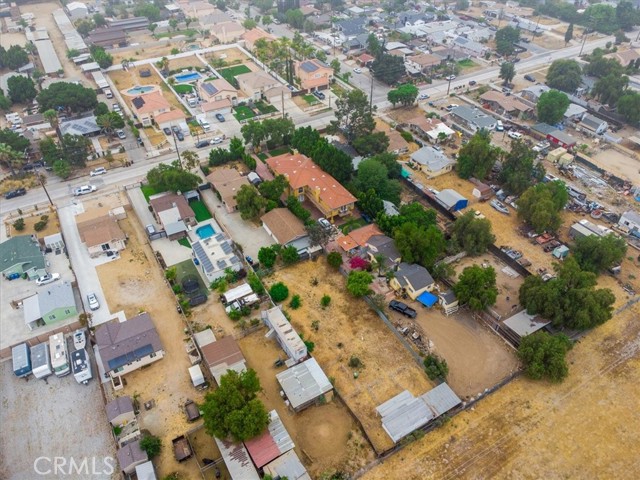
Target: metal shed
{"x":451,"y":200}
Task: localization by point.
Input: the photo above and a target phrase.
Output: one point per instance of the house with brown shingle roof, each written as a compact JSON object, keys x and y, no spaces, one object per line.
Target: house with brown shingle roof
{"x":223,"y":355}
{"x":423,"y":62}
{"x":226,"y":32}
{"x":283,"y":226}
{"x":501,"y":103}
{"x":101,"y":235}
{"x":429,"y":128}
{"x":250,"y":37}
{"x":308,"y":181}
{"x":173,"y":212}
{"x":227,"y":182}
{"x":148,"y":105}
{"x":625,"y":57}
{"x":254,"y":84}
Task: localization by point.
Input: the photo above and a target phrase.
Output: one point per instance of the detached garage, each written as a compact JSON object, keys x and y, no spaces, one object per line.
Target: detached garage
{"x":451,"y":200}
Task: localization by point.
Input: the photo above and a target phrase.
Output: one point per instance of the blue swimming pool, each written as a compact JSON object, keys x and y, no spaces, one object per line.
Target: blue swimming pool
{"x":205,"y":231}
{"x":138,"y":90}
{"x":187,"y":77}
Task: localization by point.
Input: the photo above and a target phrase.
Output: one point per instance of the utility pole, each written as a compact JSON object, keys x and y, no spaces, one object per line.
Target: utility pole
{"x":584,"y":40}
{"x":282,"y":98}
{"x":371,"y":93}
{"x":44,"y":187}
{"x":450,"y":74}
{"x":175,"y":141}
{"x":533,"y":35}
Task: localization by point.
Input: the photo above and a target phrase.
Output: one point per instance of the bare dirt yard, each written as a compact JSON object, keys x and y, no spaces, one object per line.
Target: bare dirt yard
{"x":135,"y":283}
{"x":232,"y":56}
{"x":349,"y":328}
{"x":508,"y":434}
{"x":185,"y":62}
{"x":326,"y":436}
{"x":139,"y":52}
{"x":125,"y":79}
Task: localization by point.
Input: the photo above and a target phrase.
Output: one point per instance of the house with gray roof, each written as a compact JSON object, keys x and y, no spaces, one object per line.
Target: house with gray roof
{"x":385,"y":246}
{"x":412,"y":279}
{"x":21,"y":254}
{"x":574,"y":112}
{"x":533,"y":92}
{"x":52,"y":304}
{"x":351,"y":27}
{"x":130,"y":456}
{"x":85,"y":127}
{"x":304,"y":384}
{"x":469,"y":46}
{"x":473,"y":118}
{"x":127,"y":346}
{"x":432,"y":162}
{"x":120,"y":411}
{"x":593,"y":124}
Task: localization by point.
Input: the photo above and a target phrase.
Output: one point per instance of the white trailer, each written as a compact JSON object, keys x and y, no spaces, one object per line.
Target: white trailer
{"x":59,"y":355}
{"x":40,"y":362}
{"x":237,"y":293}
{"x":197,"y":377}
{"x":81,"y":366}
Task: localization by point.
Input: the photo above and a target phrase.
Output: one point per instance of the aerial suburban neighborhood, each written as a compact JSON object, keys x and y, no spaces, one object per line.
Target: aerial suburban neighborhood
{"x":330,"y":239}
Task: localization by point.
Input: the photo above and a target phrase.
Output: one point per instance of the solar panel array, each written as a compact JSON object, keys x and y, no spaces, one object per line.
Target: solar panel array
{"x":203,"y":257}
{"x":226,"y":247}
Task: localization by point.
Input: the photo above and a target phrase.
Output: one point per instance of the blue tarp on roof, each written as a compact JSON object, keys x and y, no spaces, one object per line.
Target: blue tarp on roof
{"x":427,"y":299}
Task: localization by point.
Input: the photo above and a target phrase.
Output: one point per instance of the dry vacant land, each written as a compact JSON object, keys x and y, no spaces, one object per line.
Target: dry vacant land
{"x":348,"y":327}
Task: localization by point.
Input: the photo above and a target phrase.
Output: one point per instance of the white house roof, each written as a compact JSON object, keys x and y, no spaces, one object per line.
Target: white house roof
{"x":573,"y":110}
{"x":431,"y":158}
{"x":304,"y":382}
{"x":524,"y":324}
{"x":48,"y":56}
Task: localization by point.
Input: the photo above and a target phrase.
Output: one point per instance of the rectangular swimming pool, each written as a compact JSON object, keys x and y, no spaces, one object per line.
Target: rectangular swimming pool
{"x":205,"y":231}
{"x":187,"y":77}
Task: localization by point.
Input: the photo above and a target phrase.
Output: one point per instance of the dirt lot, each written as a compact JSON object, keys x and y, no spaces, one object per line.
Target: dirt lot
{"x":508,"y":434}
{"x":621,"y":165}
{"x":186,"y":62}
{"x":138,"y":53}
{"x":133,"y":284}
{"x":349,"y":328}
{"x":233,"y":56}
{"x":29,"y":221}
{"x":325,"y":436}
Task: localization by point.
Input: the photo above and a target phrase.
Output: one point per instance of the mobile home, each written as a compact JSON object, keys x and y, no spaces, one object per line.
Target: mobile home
{"x":21,"y":360}
{"x":59,"y":355}
{"x":81,"y":366}
{"x":40,"y":361}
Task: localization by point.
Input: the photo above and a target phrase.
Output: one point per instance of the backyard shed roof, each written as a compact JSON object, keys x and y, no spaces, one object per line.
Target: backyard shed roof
{"x":403,"y":414}
{"x":441,"y":399}
{"x":304,"y":382}
{"x":117,"y":407}
{"x":131,"y":454}
{"x":271,"y":444}
{"x":236,"y":458}
{"x":287,"y":465}
{"x":524,"y":324}
{"x":449,"y":197}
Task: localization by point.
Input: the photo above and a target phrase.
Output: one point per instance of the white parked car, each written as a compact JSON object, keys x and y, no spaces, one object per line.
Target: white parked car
{"x":423,"y":96}
{"x":515,"y":135}
{"x":84,"y":189}
{"x":357,"y":70}
{"x":93,"y":301}
{"x":98,"y":171}
{"x":499,"y":126}
{"x":121,"y":135}
{"x":216,"y":141}
{"x":324,"y":223}
{"x":47,"y":278}
{"x":450,"y":77}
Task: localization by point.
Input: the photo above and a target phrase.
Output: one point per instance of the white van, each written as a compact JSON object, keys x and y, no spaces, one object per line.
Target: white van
{"x":205,"y":125}
{"x":499,"y":126}
{"x":515,"y":135}
{"x":108,"y":93}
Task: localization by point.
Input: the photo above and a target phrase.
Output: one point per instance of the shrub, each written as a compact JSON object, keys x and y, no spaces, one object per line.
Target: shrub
{"x":407,"y":136}
{"x":358,"y":283}
{"x":325,"y":301}
{"x":39,"y":226}
{"x":177,"y":288}
{"x":295,"y":302}
{"x":254,"y":282}
{"x":355,"y":362}
{"x":289,"y":255}
{"x":310,"y":345}
{"x":19,"y":224}
{"x":235,"y":315}
{"x":358,"y":263}
{"x":279,"y":292}
{"x":151,"y":445}
{"x":436,"y":367}
{"x":334,"y":259}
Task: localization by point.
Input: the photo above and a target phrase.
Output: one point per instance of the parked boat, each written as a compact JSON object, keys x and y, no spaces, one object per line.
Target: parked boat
{"x":81,"y":366}
{"x":79,"y":340}
{"x":499,"y":206}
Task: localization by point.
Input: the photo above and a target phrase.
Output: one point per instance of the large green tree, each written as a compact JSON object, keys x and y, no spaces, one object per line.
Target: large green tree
{"x":409,"y":213}
{"x":109,"y":122}
{"x":568,"y":35}
{"x":353,"y":115}
{"x":149,"y":10}
{"x":597,"y":254}
{"x":629,"y":106}
{"x":10,"y":158}
{"x":250,"y":203}
{"x":506,"y":38}
{"x":601,"y":18}
{"x":477,"y":157}
{"x":329,"y":158}
{"x":67,"y":96}
{"x":476,"y":287}
{"x":233,"y":411}
{"x":570,"y":299}
{"x":405,"y":95}
{"x":373,"y":174}
{"x":369,"y":202}
{"x":419,"y":244}
{"x":544,"y":355}
{"x":551,"y":106}
{"x":541,"y":204}
{"x":507,"y":72}
{"x":13,"y":58}
{"x":358,"y":283}
{"x":518,"y":169}
{"x":472,"y":235}
{"x":171,"y":178}
{"x":374,"y":46}
{"x":21,"y":89}
{"x":101,"y":56}
{"x":610,"y":89}
{"x":388,"y":68}
{"x":626,"y":15}
{"x":371,"y":144}
{"x":75,"y":149}
{"x":13,"y":140}
{"x":273,"y":189}
{"x":564,"y":75}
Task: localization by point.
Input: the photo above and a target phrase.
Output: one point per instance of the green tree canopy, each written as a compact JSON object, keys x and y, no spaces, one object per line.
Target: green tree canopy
{"x":629,"y":106}
{"x":476,"y":287}
{"x":75,"y":149}
{"x":373,"y":174}
{"x":151,"y":445}
{"x":374,"y":46}
{"x":370,"y":203}
{"x":371,"y":144}
{"x":506,"y":38}
{"x":602,"y":18}
{"x":100,"y":55}
{"x":541,"y":204}
{"x":518,"y":171}
{"x":564,"y":75}
{"x":273,"y":189}
{"x":409,"y":213}
{"x":472,"y":235}
{"x":552,"y":106}
{"x":353,"y":115}
{"x":68,"y":96}
{"x":507,"y":72}
{"x":295,"y":18}
{"x":405,"y":95}
{"x":568,"y":35}
{"x":329,"y":158}
{"x":610,"y":89}
{"x":13,"y":58}
{"x":149,"y":10}
{"x":477,"y":157}
{"x":233,"y":411}
{"x":171,"y":178}
{"x":13,"y":140}
{"x":279,"y":292}
{"x":570,"y":299}
{"x":250,"y":203}
{"x":597,"y":254}
{"x":626,"y":15}
{"x":388,"y":68}
{"x":21,"y":89}
{"x":267,"y":257}
{"x":358,"y":283}
{"x":544,"y":355}
{"x":418,"y":244}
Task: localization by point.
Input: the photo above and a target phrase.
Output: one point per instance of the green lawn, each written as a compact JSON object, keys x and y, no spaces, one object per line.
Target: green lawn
{"x":229,"y":74}
{"x":201,"y":210}
{"x":242,"y":112}
{"x":183,"y":88}
{"x":262,"y":156}
{"x":189,"y":32}
{"x":265,"y":108}
{"x":186,"y":268}
{"x":279,"y":151}
{"x":352,"y":225}
{"x":467,"y":62}
{"x":310,"y":99}
{"x":184,"y":241}
{"x":147,"y":191}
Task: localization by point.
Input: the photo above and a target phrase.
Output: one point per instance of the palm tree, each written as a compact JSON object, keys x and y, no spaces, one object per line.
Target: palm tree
{"x":106,"y":122}
{"x":163,"y":64}
{"x":10,"y":157}
{"x":378,"y":262}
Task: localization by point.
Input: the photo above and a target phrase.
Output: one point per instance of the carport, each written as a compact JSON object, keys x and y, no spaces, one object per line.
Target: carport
{"x":427,"y":299}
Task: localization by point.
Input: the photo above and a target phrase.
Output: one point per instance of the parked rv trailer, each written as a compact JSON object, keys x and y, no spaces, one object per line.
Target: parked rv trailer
{"x":59,"y":355}
{"x":81,"y":366}
{"x":40,"y":361}
{"x":21,"y":360}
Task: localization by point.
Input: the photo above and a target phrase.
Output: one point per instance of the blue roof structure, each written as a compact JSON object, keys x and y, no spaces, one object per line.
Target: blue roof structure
{"x":427,"y":299}
{"x":308,"y":66}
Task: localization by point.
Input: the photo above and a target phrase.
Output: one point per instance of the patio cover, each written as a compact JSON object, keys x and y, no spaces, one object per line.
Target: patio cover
{"x":427,"y":299}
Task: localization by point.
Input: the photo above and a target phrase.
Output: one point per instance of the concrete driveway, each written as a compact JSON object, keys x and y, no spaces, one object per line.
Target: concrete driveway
{"x":141,"y":207}
{"x":83,"y":265}
{"x":251,"y":237}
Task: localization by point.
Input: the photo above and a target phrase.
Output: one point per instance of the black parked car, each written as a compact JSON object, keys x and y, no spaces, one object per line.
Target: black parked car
{"x":167,"y":131}
{"x":18,"y":192}
{"x":403,"y":308}
{"x":220,"y":117}
{"x":319,"y":95}
{"x":179,"y":135}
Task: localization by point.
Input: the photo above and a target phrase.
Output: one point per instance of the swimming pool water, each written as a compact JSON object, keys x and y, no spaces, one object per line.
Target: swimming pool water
{"x":137,"y":90}
{"x":187,"y":77}
{"x":205,"y":231}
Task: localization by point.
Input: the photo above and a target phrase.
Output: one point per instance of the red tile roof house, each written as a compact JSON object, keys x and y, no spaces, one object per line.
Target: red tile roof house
{"x":313,"y":74}
{"x":307,"y":180}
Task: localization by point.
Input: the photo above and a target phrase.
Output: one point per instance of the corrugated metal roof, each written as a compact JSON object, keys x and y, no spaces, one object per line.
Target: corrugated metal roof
{"x":48,"y":56}
{"x":271,"y":444}
{"x":289,"y":466}
{"x":449,"y":197}
{"x":402,"y":414}
{"x":237,"y":460}
{"x":304,"y":382}
{"x":441,"y":399}
{"x":524,"y":324}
